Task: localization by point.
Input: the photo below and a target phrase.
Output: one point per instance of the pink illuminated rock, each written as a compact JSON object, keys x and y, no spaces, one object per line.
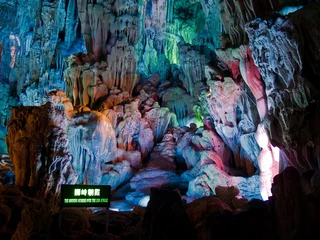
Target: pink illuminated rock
{"x":14,"y":48}
{"x":163,"y":155}
{"x":284,"y":51}
{"x":160,"y":171}
{"x":133,"y":157}
{"x":235,"y":119}
{"x":239,"y":61}
{"x":268,"y":162}
{"x":134,"y":132}
{"x":211,"y":140}
{"x":206,"y":156}
{"x":157,"y":100}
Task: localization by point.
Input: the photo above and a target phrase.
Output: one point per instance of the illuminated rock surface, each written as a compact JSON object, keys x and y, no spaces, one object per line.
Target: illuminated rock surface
{"x":288,"y":66}
{"x":210,"y":99}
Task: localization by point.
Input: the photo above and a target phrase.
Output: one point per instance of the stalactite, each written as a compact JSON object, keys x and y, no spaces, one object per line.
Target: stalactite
{"x":122,"y":66}
{"x":192,"y":64}
{"x":99,"y":22}
{"x":170,"y":4}
{"x":71,"y":23}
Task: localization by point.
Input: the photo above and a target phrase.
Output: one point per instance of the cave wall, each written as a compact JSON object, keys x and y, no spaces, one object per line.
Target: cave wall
{"x":186,"y":94}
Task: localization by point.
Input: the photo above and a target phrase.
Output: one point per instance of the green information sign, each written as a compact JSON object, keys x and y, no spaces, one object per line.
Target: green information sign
{"x":85,"y":195}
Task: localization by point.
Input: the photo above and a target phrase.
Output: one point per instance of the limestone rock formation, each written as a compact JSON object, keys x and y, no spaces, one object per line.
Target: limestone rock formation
{"x":210,"y":97}
{"x":287,"y":63}
{"x":117,"y":174}
{"x":235,"y":118}
{"x":92,"y":142}
{"x":240,"y":64}
{"x":203,"y":179}
{"x":38,"y":147}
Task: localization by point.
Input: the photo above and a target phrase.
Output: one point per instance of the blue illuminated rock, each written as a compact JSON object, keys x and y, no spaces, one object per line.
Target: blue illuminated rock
{"x":204,"y":179}
{"x":170,"y":94}
{"x":115,"y":175}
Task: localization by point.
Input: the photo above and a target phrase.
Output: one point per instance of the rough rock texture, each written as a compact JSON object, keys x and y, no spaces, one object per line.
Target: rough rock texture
{"x":92,"y":142}
{"x":111,"y":29}
{"x":235,"y":119}
{"x":115,"y":175}
{"x":234,"y":14}
{"x":37,"y":144}
{"x":286,"y":54}
{"x":159,"y":172}
{"x":204,"y":178}
{"x":195,"y":95}
{"x":241,"y":65}
{"x":35,"y":37}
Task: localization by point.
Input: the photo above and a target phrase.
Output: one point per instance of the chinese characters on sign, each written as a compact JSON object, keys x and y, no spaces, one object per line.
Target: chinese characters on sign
{"x":87,"y":192}
{"x":85,"y":196}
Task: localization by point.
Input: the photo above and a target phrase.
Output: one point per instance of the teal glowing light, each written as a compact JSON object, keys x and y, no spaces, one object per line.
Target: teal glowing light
{"x":289,"y":9}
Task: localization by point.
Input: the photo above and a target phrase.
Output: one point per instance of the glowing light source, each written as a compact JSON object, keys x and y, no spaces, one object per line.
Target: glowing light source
{"x":289,"y":9}
{"x":268,"y":162}
{"x":144,"y":201}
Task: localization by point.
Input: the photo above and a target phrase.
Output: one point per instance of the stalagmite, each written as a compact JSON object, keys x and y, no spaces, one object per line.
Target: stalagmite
{"x":268,"y":162}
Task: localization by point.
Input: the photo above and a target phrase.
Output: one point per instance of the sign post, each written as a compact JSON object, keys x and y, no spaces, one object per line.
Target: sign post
{"x":85,"y":196}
